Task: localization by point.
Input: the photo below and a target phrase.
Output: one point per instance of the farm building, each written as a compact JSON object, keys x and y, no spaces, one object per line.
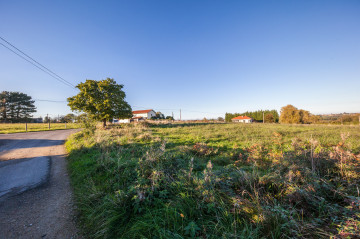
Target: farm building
{"x":147,"y":114}
{"x":138,"y":115}
{"x":242,"y":119}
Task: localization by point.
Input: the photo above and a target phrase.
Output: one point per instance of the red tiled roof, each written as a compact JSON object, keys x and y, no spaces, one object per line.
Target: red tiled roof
{"x":141,"y":111}
{"x":241,"y":117}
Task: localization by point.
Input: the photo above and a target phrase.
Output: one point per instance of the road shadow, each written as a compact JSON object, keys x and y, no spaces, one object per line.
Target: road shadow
{"x":11,"y":144}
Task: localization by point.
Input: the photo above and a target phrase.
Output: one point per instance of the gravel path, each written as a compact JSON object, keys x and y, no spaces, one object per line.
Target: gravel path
{"x":36,"y":201}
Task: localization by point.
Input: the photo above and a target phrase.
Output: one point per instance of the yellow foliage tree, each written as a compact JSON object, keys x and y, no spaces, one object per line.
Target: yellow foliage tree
{"x":290,"y":115}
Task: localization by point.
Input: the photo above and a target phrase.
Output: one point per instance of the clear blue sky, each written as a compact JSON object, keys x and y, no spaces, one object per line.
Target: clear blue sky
{"x":205,"y":57}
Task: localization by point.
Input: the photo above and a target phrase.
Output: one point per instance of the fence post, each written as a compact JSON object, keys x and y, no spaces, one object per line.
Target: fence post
{"x":65,"y":125}
{"x":25,"y":126}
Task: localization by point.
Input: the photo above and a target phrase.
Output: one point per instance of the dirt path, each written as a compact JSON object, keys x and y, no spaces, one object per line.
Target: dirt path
{"x":35,"y":163}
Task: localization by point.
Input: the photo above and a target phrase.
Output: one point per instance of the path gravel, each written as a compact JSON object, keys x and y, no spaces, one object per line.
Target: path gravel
{"x":35,"y":196}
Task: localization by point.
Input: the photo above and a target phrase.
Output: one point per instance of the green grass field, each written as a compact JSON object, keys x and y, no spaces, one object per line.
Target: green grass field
{"x":217,"y":181}
{"x":31,"y":127}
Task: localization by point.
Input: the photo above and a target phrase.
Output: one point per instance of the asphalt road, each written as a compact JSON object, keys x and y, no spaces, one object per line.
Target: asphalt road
{"x":35,"y":194}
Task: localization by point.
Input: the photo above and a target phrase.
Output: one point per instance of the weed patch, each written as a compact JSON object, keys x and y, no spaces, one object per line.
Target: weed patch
{"x":217,"y":181}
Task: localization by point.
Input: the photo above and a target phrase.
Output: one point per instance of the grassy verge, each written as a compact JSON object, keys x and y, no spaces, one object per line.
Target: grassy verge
{"x":217,"y":181}
{"x":32,"y":127}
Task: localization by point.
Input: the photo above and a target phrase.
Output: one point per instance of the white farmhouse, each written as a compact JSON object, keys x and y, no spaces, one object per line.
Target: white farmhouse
{"x":146,"y":114}
{"x":242,"y":119}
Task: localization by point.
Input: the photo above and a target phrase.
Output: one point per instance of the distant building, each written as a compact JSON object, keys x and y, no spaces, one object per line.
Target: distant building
{"x":138,"y":115}
{"x":37,"y":120}
{"x":146,"y":114}
{"x":242,"y":119}
{"x":137,"y":119}
{"x":119,"y":121}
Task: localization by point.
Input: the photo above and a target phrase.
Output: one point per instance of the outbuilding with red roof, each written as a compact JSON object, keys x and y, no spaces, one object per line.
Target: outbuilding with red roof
{"x":242,"y":119}
{"x":146,"y":114}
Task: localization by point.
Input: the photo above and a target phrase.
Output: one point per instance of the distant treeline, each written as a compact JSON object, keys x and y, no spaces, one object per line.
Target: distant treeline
{"x":344,"y":118}
{"x":271,"y":116}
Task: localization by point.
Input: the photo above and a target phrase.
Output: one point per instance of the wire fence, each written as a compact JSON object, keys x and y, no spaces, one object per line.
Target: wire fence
{"x":6,"y":128}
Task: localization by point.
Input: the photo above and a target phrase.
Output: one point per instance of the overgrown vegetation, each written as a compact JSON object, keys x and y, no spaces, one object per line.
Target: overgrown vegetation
{"x":217,"y":181}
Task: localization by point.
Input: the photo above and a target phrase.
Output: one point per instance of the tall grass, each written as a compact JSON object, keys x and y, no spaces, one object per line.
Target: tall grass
{"x":217,"y":181}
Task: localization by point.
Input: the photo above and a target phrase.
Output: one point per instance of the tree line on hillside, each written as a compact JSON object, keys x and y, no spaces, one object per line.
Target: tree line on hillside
{"x":344,"y":118}
{"x":288,"y":115}
{"x":271,"y":116}
{"x":16,"y":107}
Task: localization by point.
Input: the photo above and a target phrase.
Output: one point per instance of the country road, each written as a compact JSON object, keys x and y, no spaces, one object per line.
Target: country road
{"x":35,"y":195}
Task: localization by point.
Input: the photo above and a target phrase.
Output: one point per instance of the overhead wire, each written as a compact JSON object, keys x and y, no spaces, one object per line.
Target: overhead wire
{"x":36,"y":64}
{"x":54,"y":101}
{"x":46,"y":70}
{"x":202,"y":112}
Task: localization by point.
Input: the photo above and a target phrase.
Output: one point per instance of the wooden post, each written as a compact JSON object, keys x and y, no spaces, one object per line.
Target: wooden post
{"x":180,"y":114}
{"x":48,"y":120}
{"x":263,"y":117}
{"x":25,"y":126}
{"x":65,"y":124}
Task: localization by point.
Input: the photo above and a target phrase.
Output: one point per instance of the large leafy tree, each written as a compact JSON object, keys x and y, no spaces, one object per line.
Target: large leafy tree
{"x":102,"y":100}
{"x":291,"y":115}
{"x":16,"y":106}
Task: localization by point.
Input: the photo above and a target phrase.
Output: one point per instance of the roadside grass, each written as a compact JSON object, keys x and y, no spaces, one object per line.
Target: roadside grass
{"x":32,"y":127}
{"x":217,"y":181}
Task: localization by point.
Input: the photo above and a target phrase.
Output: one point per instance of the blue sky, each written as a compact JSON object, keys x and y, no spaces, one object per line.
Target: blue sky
{"x":204,"y":57}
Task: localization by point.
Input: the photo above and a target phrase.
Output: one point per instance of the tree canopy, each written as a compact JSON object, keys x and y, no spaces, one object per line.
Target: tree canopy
{"x":102,"y":100}
{"x":291,"y":115}
{"x":16,"y":106}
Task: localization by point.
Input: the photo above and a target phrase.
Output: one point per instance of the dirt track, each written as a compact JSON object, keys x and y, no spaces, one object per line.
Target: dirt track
{"x":35,"y":163}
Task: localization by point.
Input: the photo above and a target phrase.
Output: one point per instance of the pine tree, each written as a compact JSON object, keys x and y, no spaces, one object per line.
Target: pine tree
{"x":16,"y":106}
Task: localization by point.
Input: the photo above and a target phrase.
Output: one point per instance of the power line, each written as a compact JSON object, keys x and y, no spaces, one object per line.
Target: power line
{"x":54,"y":101}
{"x":193,"y":111}
{"x":36,"y":64}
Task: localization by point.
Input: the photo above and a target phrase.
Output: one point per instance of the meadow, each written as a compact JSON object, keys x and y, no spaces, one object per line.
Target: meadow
{"x":6,"y":128}
{"x":217,"y":181}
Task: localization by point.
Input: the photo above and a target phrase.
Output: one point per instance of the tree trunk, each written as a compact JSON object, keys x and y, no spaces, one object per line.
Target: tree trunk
{"x":104,"y":123}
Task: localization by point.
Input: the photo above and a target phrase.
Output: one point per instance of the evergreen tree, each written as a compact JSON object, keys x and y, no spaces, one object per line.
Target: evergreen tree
{"x":16,"y":106}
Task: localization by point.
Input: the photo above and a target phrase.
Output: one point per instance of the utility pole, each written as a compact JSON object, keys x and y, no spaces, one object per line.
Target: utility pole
{"x":47,"y":116}
{"x":263,"y":117}
{"x":172,"y":115}
{"x":180,"y":114}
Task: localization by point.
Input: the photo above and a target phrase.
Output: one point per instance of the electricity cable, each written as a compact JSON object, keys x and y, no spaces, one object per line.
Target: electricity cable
{"x":38,"y":65}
